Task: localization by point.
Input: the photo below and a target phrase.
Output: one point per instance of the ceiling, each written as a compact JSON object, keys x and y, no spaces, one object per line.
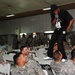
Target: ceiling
{"x":25,"y":6}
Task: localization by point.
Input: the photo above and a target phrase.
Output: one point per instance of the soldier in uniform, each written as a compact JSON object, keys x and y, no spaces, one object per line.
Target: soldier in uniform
{"x":57,"y":63}
{"x":24,"y":51}
{"x":25,"y":67}
{"x":69,"y":67}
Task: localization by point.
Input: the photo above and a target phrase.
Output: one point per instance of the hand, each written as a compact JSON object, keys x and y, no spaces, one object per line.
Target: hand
{"x":67,"y":31}
{"x":53,"y":22}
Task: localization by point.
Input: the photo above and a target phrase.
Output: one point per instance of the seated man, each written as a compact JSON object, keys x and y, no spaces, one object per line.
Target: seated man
{"x":57,"y":63}
{"x":69,"y":67}
{"x":24,"y":51}
{"x":25,"y":67}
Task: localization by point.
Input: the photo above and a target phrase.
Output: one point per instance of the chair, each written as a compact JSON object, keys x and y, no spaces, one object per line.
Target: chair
{"x":5,"y":69}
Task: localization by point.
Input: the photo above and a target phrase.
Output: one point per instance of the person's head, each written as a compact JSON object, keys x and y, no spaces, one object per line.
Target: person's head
{"x":23,"y":35}
{"x":16,"y":36}
{"x":73,"y":46}
{"x":55,"y":48}
{"x":57,"y":56}
{"x":54,"y":9}
{"x":19,"y":59}
{"x":24,"y":50}
{"x":73,"y":54}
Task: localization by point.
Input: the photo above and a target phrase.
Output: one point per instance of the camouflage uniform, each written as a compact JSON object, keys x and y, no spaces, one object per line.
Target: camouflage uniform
{"x":68,"y":68}
{"x":29,"y":57}
{"x":56,"y":66}
{"x":31,"y":68}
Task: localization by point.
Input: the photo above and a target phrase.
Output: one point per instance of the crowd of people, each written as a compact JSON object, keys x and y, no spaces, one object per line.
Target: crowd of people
{"x":25,"y":63}
{"x":30,"y":41}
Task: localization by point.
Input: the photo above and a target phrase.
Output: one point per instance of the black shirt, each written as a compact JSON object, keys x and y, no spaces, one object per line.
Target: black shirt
{"x":64,"y":17}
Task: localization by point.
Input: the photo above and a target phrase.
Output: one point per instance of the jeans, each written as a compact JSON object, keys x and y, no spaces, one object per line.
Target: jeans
{"x":58,"y":37}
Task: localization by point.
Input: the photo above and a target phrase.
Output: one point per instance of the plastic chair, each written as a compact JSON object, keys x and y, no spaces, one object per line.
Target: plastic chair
{"x":5,"y":69}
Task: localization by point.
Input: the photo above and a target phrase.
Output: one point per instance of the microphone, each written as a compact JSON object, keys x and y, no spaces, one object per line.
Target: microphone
{"x":57,"y":17}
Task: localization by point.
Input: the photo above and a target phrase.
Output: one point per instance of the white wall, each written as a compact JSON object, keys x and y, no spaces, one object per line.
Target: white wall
{"x":38,"y":23}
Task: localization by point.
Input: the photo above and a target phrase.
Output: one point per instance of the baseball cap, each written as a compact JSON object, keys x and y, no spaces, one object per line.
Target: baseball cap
{"x":53,"y":7}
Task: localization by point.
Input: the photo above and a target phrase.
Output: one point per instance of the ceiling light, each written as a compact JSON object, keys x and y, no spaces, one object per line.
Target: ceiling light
{"x":10,"y":15}
{"x":46,"y":8}
{"x":23,"y":33}
{"x":49,"y":32}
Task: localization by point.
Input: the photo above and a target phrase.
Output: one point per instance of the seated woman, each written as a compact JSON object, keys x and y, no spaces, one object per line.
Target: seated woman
{"x":25,"y":67}
{"x":57,"y":63}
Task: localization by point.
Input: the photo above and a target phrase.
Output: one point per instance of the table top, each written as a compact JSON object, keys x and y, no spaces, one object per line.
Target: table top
{"x":8,"y":57}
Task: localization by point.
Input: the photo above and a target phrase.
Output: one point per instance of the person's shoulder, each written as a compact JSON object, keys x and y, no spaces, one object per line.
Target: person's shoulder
{"x":63,"y":11}
{"x":14,"y":70}
{"x":52,"y":62}
{"x":33,"y":62}
{"x":68,"y":62}
{"x":68,"y":67}
{"x":30,"y":62}
{"x":14,"y":67}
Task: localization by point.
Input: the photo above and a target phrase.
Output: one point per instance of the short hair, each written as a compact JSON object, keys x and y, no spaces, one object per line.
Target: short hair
{"x":53,"y":7}
{"x":22,"y":47}
{"x":15,"y":57}
{"x":56,"y":55}
{"x":73,"y":54}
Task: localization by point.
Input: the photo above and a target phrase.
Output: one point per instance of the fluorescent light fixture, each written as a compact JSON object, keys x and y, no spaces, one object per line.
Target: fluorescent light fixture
{"x":10,"y":15}
{"x":23,"y":33}
{"x":49,"y":32}
{"x":46,"y":8}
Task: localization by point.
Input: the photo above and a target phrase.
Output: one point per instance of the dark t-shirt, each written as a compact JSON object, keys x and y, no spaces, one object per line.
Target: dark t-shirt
{"x":64,"y":17}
